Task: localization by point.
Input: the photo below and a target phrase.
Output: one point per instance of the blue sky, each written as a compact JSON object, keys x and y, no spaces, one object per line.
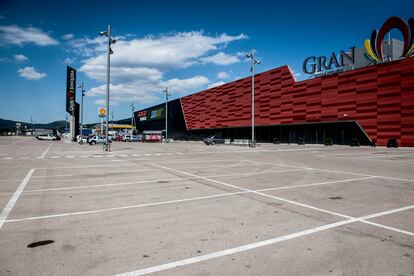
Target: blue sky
{"x":185,"y":45}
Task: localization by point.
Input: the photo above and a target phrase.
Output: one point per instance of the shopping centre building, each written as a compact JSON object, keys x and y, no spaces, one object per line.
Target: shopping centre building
{"x":367,"y":97}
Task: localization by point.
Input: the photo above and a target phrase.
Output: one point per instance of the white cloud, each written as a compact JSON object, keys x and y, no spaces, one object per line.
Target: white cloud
{"x":69,"y":60}
{"x":20,"y":58}
{"x":13,"y":34}
{"x":221,"y":59}
{"x":124,"y":93}
{"x":68,"y":36}
{"x":138,"y":65}
{"x":185,"y":85}
{"x":30,"y":73}
{"x":216,"y":84}
{"x":223,"y":75}
{"x":175,"y":51}
{"x":146,"y":91}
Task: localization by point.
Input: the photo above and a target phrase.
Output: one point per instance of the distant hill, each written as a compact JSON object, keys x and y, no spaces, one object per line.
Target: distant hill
{"x":11,"y":125}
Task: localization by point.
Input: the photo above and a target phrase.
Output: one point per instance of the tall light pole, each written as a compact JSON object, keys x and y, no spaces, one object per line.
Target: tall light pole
{"x":252,"y":69}
{"x":132,"y":111}
{"x":166,"y":112}
{"x":83,"y":94}
{"x":108,"y":80}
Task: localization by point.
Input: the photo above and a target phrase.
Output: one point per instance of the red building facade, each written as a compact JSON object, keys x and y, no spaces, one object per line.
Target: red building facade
{"x":380,"y":98}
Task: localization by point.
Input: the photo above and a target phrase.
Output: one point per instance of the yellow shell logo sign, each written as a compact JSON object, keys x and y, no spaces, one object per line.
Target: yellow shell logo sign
{"x":102,"y":111}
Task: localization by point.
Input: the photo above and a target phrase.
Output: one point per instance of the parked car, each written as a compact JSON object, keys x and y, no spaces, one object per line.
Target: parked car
{"x":115,"y":137}
{"x":135,"y":138}
{"x":82,"y":139}
{"x":126,"y":137}
{"x":98,"y":140}
{"x":131,"y":138}
{"x":50,"y":137}
{"x":212,"y":140}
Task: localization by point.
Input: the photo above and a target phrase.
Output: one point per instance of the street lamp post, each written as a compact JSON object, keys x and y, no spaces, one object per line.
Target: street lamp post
{"x":83,"y":94}
{"x":252,"y":69}
{"x":166,"y":112}
{"x":108,"y":80}
{"x":132,"y":111}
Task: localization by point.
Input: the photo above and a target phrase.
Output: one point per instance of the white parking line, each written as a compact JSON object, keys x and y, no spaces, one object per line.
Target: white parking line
{"x":120,"y":208}
{"x":190,"y":161}
{"x":184,"y":178}
{"x":255,"y":192}
{"x":78,"y":167}
{"x":335,"y":171}
{"x":255,"y":245}
{"x":8,"y":158}
{"x":92,"y":173}
{"x":6,"y":211}
{"x":174,"y":201}
{"x":274,"y":197}
{"x":44,"y":153}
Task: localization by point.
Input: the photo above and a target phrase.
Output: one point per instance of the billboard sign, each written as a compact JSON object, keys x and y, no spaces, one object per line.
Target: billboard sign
{"x":70,"y":90}
{"x":151,"y":114}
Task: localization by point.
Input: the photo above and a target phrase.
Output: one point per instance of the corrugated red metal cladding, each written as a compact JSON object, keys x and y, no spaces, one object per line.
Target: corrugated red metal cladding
{"x":379,"y":97}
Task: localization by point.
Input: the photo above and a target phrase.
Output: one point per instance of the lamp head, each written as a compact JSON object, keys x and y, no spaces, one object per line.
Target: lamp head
{"x":103,"y":33}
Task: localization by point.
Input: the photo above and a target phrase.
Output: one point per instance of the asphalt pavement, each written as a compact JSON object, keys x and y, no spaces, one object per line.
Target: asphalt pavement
{"x":184,"y":208}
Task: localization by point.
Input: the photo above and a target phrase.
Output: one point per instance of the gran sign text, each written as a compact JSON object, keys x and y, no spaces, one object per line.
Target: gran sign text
{"x":313,"y":64}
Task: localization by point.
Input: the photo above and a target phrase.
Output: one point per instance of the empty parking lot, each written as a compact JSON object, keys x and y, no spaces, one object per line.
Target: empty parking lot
{"x":184,"y":208}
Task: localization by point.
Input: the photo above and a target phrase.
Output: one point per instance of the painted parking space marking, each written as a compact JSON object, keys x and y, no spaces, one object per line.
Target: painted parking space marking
{"x":9,"y":207}
{"x":335,"y":171}
{"x":234,"y":175}
{"x":45,"y":152}
{"x":274,"y":197}
{"x":259,"y":244}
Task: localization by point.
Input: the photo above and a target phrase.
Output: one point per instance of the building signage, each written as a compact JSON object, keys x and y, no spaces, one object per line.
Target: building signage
{"x":70,"y":90}
{"x":102,"y":111}
{"x":142,"y":115}
{"x":313,"y":64}
{"x":152,"y":114}
{"x":373,"y":46}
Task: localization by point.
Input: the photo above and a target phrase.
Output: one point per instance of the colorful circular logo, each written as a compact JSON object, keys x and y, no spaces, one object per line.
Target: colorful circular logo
{"x":102,"y":111}
{"x":373,"y":46}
